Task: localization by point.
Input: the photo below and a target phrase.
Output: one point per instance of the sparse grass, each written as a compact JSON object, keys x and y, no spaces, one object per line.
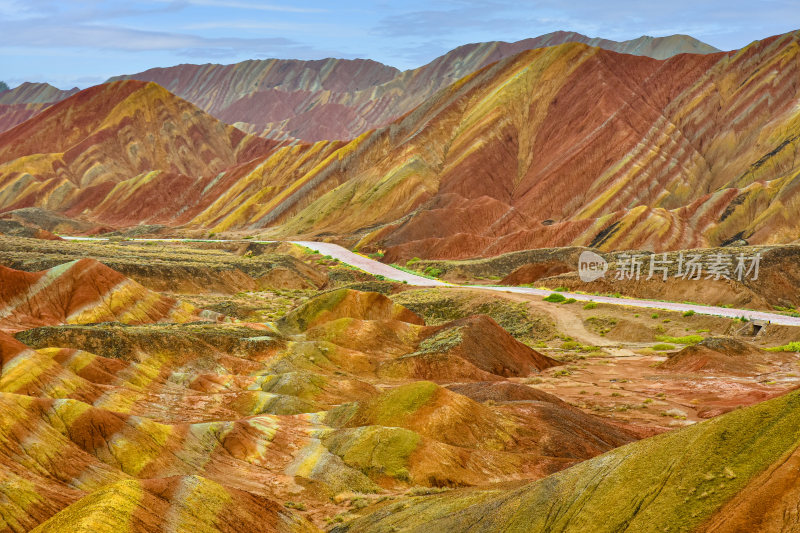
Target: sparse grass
{"x":426,"y":491}
{"x":359,"y":503}
{"x":789,"y":310}
{"x":295,"y":505}
{"x":602,"y":325}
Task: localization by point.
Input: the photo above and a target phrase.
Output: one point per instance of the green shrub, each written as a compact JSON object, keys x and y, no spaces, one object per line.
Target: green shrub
{"x":590,"y":305}
{"x":688,"y":313}
{"x":686,"y":339}
{"x":654,"y":316}
{"x":433,"y":272}
{"x":560,"y":289}
{"x":555,"y":298}
{"x":793,"y":346}
{"x":663,"y":347}
{"x":570,"y":301}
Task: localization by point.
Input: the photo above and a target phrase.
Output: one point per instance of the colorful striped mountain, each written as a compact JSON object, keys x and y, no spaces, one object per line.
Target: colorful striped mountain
{"x":569,"y":144}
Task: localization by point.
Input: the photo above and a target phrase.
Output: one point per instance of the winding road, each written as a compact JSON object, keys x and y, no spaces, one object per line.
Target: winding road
{"x":379,"y":269}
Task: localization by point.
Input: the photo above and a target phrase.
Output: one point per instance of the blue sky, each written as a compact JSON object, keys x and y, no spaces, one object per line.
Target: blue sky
{"x":83,"y":43}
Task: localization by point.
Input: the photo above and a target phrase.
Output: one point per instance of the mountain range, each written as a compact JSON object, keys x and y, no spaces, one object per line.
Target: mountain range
{"x":330,"y":98}
{"x":568,"y":144}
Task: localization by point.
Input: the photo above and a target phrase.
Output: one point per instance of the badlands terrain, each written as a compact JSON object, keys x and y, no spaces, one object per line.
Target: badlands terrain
{"x":332,"y":296}
{"x":244,"y":386}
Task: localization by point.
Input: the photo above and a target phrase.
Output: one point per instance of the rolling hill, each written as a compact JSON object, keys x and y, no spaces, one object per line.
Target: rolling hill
{"x":733,"y":473}
{"x":129,"y":150}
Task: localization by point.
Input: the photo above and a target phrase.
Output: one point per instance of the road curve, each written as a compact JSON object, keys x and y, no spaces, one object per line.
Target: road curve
{"x":370,"y":265}
{"x":380,"y":269}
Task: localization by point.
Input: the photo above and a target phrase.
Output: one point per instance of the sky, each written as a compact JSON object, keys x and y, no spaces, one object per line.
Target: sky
{"x":83,"y":43}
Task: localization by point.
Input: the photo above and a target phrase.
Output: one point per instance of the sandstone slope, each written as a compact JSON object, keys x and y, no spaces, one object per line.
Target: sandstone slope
{"x":732,"y":473}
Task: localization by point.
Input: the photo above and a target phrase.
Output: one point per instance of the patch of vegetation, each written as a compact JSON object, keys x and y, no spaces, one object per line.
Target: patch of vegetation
{"x":686,"y":339}
{"x":295,"y":505}
{"x":663,"y":347}
{"x":793,"y":346}
{"x":300,"y":317}
{"x":397,"y":404}
{"x":569,"y":301}
{"x":602,"y":325}
{"x":575,"y":346}
{"x":790,"y":311}
{"x":688,"y":313}
{"x":375,"y":450}
{"x":433,"y":272}
{"x":555,"y":298}
{"x":590,"y":305}
{"x":426,"y":491}
{"x":439,"y":306}
{"x":441,"y":342}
